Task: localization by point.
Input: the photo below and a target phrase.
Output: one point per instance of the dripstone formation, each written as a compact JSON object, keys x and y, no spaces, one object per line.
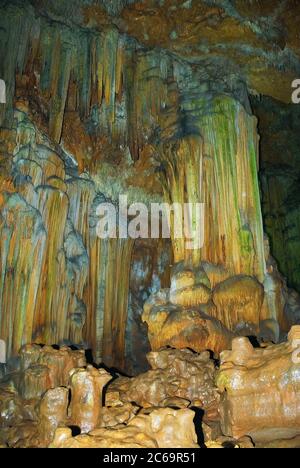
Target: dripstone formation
{"x":124,"y":339}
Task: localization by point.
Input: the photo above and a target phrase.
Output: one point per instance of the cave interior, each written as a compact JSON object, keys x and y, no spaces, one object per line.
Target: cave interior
{"x":150,"y":223}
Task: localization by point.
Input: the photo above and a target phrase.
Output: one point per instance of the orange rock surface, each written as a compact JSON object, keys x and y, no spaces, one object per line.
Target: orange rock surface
{"x":53,"y":412}
{"x":46,"y":367}
{"x":162,"y":428}
{"x":86,"y":396}
{"x":261,"y":389}
{"x":178,"y":378}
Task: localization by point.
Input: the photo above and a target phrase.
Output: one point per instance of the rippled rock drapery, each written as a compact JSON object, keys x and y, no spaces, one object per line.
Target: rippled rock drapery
{"x":197,"y":312}
{"x":104,"y":101}
{"x":154,"y":100}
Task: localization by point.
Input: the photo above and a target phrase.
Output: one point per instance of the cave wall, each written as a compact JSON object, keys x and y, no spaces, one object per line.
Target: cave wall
{"x":150,"y":271}
{"x":93,"y":112}
{"x":279,"y":181}
{"x":57,"y":276}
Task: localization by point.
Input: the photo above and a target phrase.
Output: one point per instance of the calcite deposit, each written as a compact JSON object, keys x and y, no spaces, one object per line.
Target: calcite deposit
{"x":46,"y":367}
{"x":261,"y":389}
{"x":160,"y":429}
{"x":193,"y":315}
{"x":178,"y":378}
{"x":52,"y":412}
{"x":86,"y":396}
{"x":106,"y":419}
{"x":251,"y":400}
{"x":149,"y":223}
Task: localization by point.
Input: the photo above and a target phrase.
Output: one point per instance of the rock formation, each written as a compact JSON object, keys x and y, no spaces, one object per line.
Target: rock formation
{"x":101,"y":102}
{"x":192,"y":315}
{"x":261,"y":390}
{"x":45,"y":367}
{"x":52,"y":412}
{"x":161,"y":428}
{"x":178,"y":378}
{"x":86,"y":396}
{"x":252,"y":400}
{"x":149,"y":198}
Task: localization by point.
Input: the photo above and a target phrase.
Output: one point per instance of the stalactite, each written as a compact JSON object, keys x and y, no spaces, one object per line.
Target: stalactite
{"x":82,"y":99}
{"x":58,"y":278}
{"x":182,"y":185}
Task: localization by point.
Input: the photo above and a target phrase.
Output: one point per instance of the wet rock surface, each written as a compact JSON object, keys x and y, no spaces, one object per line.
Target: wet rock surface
{"x":162,"y":428}
{"x":163,"y":102}
{"x":184,"y":401}
{"x":178,"y":378}
{"x":260,"y":390}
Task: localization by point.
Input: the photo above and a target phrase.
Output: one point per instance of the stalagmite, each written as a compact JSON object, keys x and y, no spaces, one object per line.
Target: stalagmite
{"x":238,"y":303}
{"x":53,"y":412}
{"x":182,"y":377}
{"x":44,"y":368}
{"x":35,"y":382}
{"x":160,"y":429}
{"x":86,"y":396}
{"x":144,"y":149}
{"x":186,"y":328}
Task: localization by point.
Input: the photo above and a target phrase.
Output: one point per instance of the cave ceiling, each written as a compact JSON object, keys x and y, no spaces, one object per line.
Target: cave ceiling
{"x":258,"y":40}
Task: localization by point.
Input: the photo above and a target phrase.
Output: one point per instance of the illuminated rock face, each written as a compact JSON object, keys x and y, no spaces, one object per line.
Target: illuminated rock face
{"x":261,"y":390}
{"x":219,"y":169}
{"x":47,"y":418}
{"x":149,"y":100}
{"x":254,"y":395}
{"x":216,"y":290}
{"x":178,"y":378}
{"x":163,"y":428}
{"x":196,"y":317}
{"x":86,"y":396}
{"x":46,"y":368}
{"x":93,"y":111}
{"x":53,"y":412}
{"x":185,"y":328}
{"x":238,"y":303}
{"x":52,"y":255}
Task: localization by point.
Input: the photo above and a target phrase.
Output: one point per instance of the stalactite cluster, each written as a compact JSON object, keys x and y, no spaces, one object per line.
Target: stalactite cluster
{"x":57,"y":276}
{"x":179,"y":109}
{"x":78,"y":102}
